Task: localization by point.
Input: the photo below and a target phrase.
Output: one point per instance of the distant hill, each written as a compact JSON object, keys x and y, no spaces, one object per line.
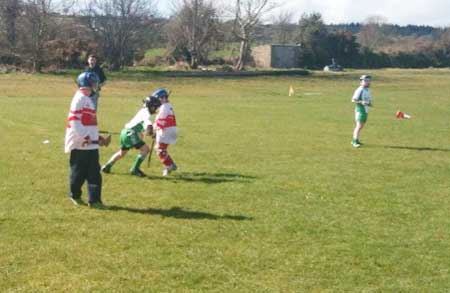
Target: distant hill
{"x":391,"y":29}
{"x":269,"y":33}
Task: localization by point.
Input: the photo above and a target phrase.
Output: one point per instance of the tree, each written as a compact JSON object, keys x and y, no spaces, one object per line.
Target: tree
{"x":247,"y":14}
{"x":343,"y":47}
{"x":312,"y":36}
{"x":193,"y":29}
{"x":283,"y":27}
{"x":10,"y":11}
{"x":118,"y":27}
{"x":372,"y":34}
{"x":38,"y":29}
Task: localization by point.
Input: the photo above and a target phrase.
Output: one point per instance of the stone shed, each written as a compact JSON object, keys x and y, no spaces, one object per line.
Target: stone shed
{"x":277,"y":56}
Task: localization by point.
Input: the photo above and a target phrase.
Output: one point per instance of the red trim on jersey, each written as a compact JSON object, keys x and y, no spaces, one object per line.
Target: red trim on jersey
{"x":73,"y":118}
{"x":88,"y":110}
{"x":169,"y":121}
{"x":84,"y":110}
{"x":88,"y":119}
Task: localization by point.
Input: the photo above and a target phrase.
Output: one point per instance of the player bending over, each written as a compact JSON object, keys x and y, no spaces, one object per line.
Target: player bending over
{"x":132,"y":137}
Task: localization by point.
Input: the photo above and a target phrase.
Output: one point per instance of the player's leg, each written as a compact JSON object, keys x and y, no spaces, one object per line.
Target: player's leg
{"x":78,"y":174}
{"x":114,"y":158}
{"x":125,"y":144}
{"x":94,"y":178}
{"x":360,"y":119}
{"x":165,"y":158}
{"x":143,"y":152}
{"x":356,"y":133}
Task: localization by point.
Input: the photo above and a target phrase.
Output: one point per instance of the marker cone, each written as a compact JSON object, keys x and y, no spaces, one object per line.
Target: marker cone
{"x":401,"y":115}
{"x":291,"y":91}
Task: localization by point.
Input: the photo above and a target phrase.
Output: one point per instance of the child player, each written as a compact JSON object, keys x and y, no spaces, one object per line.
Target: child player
{"x":132,"y":137}
{"x":362,"y":100}
{"x":82,"y":142}
{"x":166,"y":130}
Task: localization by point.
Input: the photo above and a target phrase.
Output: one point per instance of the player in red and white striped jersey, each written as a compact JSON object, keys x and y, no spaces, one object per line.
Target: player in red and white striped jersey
{"x":166,"y":130}
{"x":82,"y":142}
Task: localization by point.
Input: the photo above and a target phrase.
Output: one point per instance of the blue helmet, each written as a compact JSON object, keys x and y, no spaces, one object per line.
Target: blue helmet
{"x":88,"y":79}
{"x":160,"y":93}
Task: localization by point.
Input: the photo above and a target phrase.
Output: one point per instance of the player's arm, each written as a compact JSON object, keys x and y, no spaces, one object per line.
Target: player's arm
{"x":357,"y":97}
{"x":369,"y":104}
{"x":149,"y":131}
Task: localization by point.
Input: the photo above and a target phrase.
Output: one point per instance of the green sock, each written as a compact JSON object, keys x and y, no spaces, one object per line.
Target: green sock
{"x":137,"y":163}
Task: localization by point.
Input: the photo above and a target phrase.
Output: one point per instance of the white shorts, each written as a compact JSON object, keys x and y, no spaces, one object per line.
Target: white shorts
{"x":167,"y":135}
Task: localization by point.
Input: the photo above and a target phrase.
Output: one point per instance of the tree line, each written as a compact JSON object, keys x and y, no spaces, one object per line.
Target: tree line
{"x":38,"y":34}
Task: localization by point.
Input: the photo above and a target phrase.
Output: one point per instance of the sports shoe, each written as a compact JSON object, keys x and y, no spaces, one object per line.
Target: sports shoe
{"x":137,"y":172}
{"x":106,"y":168}
{"x":97,"y":205}
{"x":356,"y":144}
{"x":76,"y":201}
{"x":169,"y":169}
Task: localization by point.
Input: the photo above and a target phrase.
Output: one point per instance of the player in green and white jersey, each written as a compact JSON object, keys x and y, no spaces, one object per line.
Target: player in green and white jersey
{"x":363,"y":101}
{"x":132,"y":137}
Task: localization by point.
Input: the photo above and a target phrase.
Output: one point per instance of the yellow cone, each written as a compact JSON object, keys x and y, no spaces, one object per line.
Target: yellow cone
{"x":291,"y":91}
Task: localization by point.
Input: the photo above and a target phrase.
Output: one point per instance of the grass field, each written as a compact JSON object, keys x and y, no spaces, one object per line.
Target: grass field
{"x":269,"y":196}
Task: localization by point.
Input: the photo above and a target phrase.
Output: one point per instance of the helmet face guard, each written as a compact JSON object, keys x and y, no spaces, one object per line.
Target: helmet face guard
{"x":152,"y":104}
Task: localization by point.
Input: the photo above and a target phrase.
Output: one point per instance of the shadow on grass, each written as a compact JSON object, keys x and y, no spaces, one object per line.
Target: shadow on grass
{"x":203,"y":177}
{"x":180,"y":213}
{"x":413,"y":148}
{"x":197,"y":177}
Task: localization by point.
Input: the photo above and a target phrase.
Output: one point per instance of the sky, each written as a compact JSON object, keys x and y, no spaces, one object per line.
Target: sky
{"x":402,"y":12}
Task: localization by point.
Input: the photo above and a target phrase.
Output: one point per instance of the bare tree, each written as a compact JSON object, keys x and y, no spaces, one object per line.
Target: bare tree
{"x":247,"y":14}
{"x":9,"y":13}
{"x":284,"y":27}
{"x":193,"y":29}
{"x":38,"y":28}
{"x":118,"y":26}
{"x":371,"y":35}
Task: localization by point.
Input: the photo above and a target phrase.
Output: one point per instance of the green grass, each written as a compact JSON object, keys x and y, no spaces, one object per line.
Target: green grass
{"x":230,"y":50}
{"x":269,"y":195}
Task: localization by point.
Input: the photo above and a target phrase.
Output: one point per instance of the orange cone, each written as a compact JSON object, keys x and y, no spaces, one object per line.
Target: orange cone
{"x":401,"y":115}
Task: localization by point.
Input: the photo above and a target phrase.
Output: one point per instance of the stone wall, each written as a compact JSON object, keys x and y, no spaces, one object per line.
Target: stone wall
{"x":277,"y":56}
{"x":262,"y":56}
{"x":285,"y":56}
